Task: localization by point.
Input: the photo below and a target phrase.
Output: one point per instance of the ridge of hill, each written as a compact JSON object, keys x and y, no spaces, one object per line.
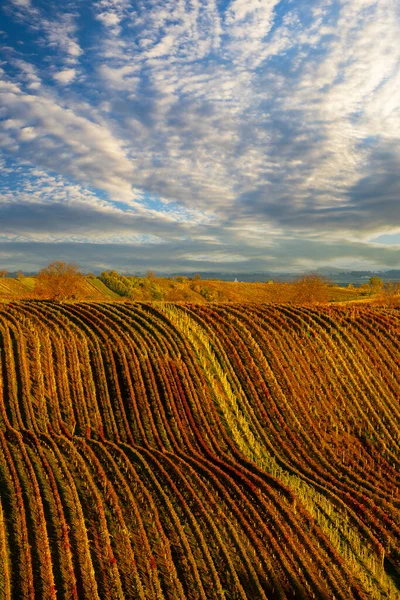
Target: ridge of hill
{"x":111,"y":286}
{"x":182,"y":289}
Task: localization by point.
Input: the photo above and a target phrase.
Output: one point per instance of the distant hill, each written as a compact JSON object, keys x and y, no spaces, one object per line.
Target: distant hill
{"x":335,"y":276}
{"x":198,"y":290}
{"x":112,"y":286}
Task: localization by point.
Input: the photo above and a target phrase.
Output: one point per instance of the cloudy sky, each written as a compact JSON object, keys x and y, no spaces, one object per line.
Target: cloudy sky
{"x":190,"y":135}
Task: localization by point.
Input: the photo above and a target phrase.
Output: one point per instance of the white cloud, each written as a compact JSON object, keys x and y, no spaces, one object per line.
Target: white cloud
{"x":29,"y":71}
{"x":214,"y":257}
{"x":109,"y":19}
{"x":248,"y":23}
{"x":61,"y":35}
{"x":163,"y":47}
{"x":35,"y":85}
{"x":27,"y":134}
{"x":22,"y":3}
{"x":111,"y":13}
{"x":119,"y":78}
{"x":12,"y":124}
{"x":65,"y":76}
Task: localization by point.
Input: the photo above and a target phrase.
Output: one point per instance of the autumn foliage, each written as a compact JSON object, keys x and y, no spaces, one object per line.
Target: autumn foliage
{"x":59,"y":281}
{"x":199,"y":451}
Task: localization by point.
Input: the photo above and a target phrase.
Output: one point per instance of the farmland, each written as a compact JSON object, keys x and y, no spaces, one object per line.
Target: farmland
{"x":199,"y":451}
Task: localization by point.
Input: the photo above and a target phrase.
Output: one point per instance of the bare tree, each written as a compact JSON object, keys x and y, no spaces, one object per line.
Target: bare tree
{"x":59,"y":281}
{"x":3,"y":273}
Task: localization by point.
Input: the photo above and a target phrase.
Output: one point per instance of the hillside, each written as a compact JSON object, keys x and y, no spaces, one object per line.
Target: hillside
{"x":199,"y":451}
{"x":113,"y":286}
{"x":182,"y":289}
{"x":90,"y":289}
{"x":16,"y":288}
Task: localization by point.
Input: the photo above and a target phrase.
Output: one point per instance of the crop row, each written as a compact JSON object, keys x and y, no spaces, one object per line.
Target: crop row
{"x":198,"y":451}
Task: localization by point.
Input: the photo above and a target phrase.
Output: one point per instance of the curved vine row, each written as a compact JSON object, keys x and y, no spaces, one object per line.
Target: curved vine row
{"x":199,"y":451}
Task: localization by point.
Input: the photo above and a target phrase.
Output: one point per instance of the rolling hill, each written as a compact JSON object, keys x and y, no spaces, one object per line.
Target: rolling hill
{"x":199,"y":451}
{"x":113,"y":286}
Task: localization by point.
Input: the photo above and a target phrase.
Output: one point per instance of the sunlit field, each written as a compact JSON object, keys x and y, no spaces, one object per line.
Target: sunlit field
{"x":199,"y":451}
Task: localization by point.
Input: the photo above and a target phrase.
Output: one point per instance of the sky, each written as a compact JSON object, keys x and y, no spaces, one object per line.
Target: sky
{"x":200,"y":135}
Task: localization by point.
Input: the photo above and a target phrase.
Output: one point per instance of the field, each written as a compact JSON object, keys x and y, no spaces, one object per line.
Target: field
{"x":199,"y":451}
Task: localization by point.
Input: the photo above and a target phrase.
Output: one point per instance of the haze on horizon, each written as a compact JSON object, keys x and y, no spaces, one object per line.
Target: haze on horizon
{"x":219,"y":135}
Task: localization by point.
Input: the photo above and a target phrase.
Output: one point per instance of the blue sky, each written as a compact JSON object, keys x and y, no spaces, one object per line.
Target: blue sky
{"x":190,"y":135}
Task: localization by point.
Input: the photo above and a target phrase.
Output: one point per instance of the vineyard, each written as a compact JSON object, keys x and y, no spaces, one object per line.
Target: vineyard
{"x":90,"y":288}
{"x":209,"y":451}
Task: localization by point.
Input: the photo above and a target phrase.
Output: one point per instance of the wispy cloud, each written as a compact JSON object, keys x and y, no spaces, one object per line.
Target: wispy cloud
{"x":65,"y":76}
{"x":262,"y":121}
{"x":66,"y":142}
